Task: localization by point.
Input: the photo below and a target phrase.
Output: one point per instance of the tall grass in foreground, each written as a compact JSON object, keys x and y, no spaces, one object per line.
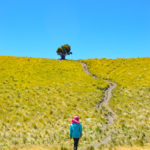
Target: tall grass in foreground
{"x":130,"y":101}
{"x":146,"y":147}
{"x":39,"y":97}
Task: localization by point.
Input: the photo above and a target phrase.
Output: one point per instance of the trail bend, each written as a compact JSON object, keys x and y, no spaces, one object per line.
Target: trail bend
{"x":103,"y":103}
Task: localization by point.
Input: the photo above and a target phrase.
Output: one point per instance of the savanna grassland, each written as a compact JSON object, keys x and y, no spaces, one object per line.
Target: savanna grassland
{"x":130,"y":100}
{"x":39,"y":97}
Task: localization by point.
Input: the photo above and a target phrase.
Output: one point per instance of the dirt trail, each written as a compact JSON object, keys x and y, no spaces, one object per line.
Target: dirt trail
{"x":103,"y":103}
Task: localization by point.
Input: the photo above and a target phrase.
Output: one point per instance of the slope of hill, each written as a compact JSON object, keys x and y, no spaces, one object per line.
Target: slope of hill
{"x":39,"y":97}
{"x":131,"y":98}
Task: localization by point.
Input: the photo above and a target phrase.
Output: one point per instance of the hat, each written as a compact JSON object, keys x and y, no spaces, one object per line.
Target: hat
{"x":75,"y":119}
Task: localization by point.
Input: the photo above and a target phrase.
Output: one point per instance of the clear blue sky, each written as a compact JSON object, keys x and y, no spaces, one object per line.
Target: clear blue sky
{"x":93,"y":28}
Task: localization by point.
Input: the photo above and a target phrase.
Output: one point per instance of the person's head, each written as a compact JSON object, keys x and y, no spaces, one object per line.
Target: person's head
{"x":75,"y":119}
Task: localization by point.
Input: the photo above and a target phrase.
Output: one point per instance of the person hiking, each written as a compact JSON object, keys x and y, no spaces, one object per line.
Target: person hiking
{"x":75,"y":131}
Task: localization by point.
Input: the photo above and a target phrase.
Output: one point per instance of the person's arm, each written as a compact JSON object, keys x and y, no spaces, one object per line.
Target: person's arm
{"x":70,"y":131}
{"x":80,"y":130}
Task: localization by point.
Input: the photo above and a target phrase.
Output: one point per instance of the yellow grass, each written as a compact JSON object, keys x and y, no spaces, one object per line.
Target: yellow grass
{"x":130,"y":100}
{"x":147,"y":147}
{"x":133,"y":148}
{"x":52,"y":147}
{"x":39,"y":97}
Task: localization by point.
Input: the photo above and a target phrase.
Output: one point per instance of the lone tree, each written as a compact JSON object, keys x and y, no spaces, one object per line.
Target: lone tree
{"x":64,"y":50}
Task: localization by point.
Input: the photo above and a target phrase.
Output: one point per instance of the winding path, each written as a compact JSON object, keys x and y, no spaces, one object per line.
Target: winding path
{"x":104,"y":102}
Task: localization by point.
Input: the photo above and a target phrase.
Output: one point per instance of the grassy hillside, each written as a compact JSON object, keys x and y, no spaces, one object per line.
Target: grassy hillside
{"x":131,"y":98}
{"x":39,"y":97}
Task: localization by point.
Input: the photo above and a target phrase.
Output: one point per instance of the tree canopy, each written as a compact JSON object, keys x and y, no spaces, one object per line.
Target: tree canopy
{"x":64,"y":50}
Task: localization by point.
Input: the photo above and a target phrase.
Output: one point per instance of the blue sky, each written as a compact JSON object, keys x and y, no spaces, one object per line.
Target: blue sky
{"x":93,"y":28}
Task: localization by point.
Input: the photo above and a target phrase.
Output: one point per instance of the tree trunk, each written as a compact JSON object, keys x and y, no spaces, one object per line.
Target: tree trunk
{"x":63,"y":57}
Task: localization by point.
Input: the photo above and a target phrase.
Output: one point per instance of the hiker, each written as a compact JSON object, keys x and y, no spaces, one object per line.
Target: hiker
{"x":75,"y":131}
